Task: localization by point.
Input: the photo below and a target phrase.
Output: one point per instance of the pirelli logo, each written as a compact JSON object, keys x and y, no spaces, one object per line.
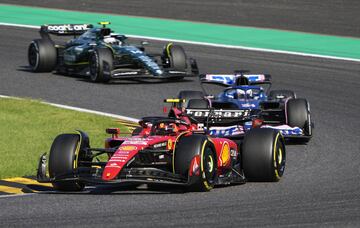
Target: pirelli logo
{"x":218,"y":113}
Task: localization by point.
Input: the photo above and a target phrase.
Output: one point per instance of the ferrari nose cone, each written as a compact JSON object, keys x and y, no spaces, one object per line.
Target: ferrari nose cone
{"x":111,"y":171}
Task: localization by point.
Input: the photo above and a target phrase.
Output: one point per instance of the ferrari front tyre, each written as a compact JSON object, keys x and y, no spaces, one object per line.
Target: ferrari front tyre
{"x":263,"y":155}
{"x":101,"y":65}
{"x":42,"y":55}
{"x":195,"y":158}
{"x":63,"y":162}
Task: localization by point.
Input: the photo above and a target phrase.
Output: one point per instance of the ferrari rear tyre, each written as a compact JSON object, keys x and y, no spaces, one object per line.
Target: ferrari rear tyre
{"x":263,"y":155}
{"x":176,"y":56}
{"x":42,"y":55}
{"x":101,"y":64}
{"x":195,"y":158}
{"x":63,"y":160}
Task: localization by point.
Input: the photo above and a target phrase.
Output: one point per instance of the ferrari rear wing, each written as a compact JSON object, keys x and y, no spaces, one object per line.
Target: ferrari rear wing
{"x":64,"y":29}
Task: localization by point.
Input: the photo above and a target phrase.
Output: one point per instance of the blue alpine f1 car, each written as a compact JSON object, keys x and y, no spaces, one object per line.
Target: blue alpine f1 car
{"x":102,"y":55}
{"x":247,"y":102}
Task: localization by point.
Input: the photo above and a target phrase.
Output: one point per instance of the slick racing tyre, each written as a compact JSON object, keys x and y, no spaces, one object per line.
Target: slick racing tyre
{"x":263,"y":155}
{"x":188,"y":95}
{"x":195,"y":158}
{"x":63,"y":160}
{"x":101,"y":64}
{"x":136,"y":131}
{"x":281,"y":94}
{"x":298,"y":115}
{"x":42,"y":55}
{"x":176,"y":56}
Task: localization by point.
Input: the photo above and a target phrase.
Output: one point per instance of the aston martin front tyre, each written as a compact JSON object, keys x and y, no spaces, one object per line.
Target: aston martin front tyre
{"x":176,"y":56}
{"x":42,"y":55}
{"x":63,"y":162}
{"x":263,"y":155}
{"x":101,"y":65}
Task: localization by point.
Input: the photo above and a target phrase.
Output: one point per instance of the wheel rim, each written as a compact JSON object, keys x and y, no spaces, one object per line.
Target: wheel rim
{"x":33,"y":56}
{"x":94,"y":65}
{"x":280,"y":159}
{"x":209,"y":166}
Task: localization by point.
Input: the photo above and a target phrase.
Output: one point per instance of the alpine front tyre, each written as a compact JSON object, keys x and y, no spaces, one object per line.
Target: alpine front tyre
{"x":298,"y":115}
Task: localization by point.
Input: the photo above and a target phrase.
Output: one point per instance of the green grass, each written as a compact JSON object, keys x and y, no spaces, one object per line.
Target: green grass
{"x":28,"y":127}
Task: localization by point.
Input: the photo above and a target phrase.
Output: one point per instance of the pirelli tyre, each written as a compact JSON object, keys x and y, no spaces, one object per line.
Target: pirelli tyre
{"x":42,"y":55}
{"x":298,"y":115}
{"x":63,"y":161}
{"x":195,"y":158}
{"x":282,"y":94}
{"x":263,"y":155}
{"x":101,"y":65}
{"x":176,"y":56}
{"x":136,"y":131}
{"x":188,"y":95}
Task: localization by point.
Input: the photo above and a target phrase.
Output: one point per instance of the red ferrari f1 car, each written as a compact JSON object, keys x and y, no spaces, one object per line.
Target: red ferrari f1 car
{"x":162,"y":151}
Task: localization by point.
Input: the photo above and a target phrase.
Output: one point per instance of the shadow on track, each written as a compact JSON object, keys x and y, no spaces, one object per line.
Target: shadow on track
{"x":135,"y":81}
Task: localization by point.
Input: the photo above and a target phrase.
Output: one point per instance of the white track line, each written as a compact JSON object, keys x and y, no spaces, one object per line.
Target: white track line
{"x":82,"y":110}
{"x":217,"y":45}
{"x":16,"y":195}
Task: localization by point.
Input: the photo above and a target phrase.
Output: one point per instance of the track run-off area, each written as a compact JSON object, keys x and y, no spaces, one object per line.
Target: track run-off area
{"x":321,"y":182}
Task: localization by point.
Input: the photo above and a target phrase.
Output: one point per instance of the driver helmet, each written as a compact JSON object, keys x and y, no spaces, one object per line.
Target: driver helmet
{"x":249,"y":93}
{"x":111,"y":40}
{"x":240,"y":94}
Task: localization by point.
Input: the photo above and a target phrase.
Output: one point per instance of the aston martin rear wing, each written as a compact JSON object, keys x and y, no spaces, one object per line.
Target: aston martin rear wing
{"x":64,"y":29}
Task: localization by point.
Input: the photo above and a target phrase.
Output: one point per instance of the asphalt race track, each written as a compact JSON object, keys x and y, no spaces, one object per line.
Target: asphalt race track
{"x":334,"y":17}
{"x":322,"y":179}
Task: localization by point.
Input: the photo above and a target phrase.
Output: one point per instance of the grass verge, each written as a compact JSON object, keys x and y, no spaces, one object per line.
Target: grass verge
{"x":28,"y":127}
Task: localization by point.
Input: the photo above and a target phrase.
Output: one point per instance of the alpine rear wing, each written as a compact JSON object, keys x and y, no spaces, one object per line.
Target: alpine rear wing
{"x":64,"y":29}
{"x":235,"y":79}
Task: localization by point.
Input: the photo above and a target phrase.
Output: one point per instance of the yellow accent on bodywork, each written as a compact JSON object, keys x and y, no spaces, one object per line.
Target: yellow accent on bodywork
{"x":79,"y":63}
{"x":11,"y":190}
{"x":225,"y":153}
{"x":174,"y":100}
{"x":26,"y":181}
